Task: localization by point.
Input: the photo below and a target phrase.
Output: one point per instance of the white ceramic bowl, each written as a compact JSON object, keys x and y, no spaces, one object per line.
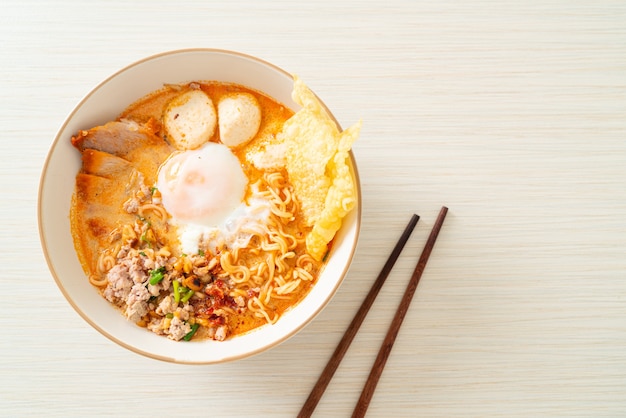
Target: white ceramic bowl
{"x":103,"y":104}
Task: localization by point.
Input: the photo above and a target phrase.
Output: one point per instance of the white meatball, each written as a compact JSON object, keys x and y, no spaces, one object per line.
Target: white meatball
{"x":190,"y":120}
{"x":239,"y":117}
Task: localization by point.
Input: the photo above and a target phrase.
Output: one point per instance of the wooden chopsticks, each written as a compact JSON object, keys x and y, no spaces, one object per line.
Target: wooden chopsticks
{"x":385,"y":349}
{"x":390,"y":338}
{"x":342,"y":347}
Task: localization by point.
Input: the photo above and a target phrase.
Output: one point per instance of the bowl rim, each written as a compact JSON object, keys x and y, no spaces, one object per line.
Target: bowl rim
{"x":44,"y":240}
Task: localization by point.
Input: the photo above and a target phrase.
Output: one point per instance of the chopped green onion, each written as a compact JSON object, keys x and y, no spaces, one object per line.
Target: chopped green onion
{"x":188,"y":295}
{"x":157,"y":275}
{"x":325,"y":256}
{"x":153,"y":189}
{"x":142,"y":253}
{"x":176,"y":285}
{"x":190,"y":334}
{"x":201,"y":252}
{"x":169,"y":315}
{"x":146,"y":240}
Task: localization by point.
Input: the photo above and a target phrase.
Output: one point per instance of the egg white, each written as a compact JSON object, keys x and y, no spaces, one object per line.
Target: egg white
{"x":233,"y":232}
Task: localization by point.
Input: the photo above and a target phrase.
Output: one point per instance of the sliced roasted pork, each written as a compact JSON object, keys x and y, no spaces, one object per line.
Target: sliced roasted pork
{"x":136,"y":143}
{"x":117,"y":157}
{"x":103,"y":164}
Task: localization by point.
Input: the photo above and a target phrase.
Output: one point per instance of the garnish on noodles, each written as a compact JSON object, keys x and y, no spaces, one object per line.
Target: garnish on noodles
{"x":205,"y":210}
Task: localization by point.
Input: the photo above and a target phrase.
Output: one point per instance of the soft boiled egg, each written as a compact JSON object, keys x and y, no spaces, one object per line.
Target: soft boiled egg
{"x":203,"y":190}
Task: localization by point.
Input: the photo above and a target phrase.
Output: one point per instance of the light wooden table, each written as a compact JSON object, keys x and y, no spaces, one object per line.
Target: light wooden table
{"x":511,"y":113}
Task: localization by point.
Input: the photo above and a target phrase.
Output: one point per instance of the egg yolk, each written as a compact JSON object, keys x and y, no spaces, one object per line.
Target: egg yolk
{"x":202,"y":186}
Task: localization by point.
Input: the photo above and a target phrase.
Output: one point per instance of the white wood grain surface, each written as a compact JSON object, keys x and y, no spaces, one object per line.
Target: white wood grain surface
{"x":511,"y":113}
